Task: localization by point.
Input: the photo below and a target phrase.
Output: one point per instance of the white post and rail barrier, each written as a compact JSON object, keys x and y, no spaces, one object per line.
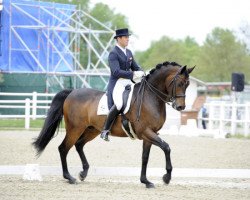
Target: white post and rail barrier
{"x":29,"y":105}
{"x":231,"y":117}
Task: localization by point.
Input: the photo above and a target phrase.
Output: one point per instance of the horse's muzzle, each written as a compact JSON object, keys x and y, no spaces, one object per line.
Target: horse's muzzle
{"x":177,"y":107}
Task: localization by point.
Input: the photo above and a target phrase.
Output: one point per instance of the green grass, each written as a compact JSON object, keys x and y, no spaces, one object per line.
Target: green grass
{"x":240,"y":136}
{"x":20,"y":124}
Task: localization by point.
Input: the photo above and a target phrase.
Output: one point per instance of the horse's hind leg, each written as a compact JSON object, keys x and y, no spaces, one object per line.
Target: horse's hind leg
{"x":69,"y":140}
{"x":85,"y":165}
{"x":89,"y":134}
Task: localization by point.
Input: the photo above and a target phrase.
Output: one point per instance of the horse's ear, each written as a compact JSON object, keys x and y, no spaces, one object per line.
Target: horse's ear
{"x":190,"y":69}
{"x":182,"y":69}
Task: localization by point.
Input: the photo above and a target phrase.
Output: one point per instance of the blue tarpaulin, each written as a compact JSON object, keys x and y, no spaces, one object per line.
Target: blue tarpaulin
{"x":29,"y":42}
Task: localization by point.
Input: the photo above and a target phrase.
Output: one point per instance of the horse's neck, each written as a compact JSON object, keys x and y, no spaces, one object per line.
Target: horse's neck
{"x":151,"y":103}
{"x":157,"y":101}
{"x":154,"y":101}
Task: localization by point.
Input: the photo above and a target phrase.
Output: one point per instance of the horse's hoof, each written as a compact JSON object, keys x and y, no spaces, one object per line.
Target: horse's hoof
{"x":82,"y":175}
{"x":72,"y":181}
{"x":150,"y":185}
{"x":166,"y":178}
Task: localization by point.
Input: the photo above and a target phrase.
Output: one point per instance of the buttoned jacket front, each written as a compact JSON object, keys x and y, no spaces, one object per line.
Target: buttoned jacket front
{"x":121,"y":66}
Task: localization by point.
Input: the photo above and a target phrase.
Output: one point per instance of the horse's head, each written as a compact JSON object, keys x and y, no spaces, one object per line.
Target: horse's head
{"x":168,"y":82}
{"x":176,"y":83}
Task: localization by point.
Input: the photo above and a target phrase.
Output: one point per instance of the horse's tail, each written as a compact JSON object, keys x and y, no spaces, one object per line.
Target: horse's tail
{"x":52,"y":121}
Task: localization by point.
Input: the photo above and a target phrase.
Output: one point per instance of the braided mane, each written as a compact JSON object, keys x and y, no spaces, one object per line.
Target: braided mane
{"x":165,"y":64}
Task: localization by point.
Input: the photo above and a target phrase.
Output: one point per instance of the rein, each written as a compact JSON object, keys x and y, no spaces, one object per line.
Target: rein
{"x":158,"y":93}
{"x":161,"y":95}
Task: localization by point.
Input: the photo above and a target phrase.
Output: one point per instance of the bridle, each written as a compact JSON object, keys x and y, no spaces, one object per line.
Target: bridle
{"x":174,"y":95}
{"x":166,"y":98}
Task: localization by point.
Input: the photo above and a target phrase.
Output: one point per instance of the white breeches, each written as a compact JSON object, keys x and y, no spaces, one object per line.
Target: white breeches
{"x":118,"y":91}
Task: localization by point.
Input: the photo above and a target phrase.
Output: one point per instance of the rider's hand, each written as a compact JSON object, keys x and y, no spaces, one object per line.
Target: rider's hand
{"x":137,"y":76}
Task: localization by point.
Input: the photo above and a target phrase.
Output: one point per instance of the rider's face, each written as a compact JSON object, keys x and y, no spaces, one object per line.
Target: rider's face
{"x":123,"y":41}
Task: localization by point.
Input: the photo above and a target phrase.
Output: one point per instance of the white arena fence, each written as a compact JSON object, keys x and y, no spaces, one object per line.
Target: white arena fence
{"x":30,"y":105}
{"x":225,"y":117}
{"x":230,"y":118}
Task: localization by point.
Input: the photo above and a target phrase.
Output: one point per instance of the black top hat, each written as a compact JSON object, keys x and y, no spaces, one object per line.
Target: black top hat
{"x":122,"y":32}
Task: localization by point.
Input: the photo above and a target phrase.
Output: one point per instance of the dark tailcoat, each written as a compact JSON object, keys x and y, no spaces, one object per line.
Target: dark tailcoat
{"x":121,"y":66}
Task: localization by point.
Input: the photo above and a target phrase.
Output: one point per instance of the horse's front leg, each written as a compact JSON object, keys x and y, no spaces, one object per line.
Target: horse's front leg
{"x":165,"y":147}
{"x":153,"y":138}
{"x":145,"y":156}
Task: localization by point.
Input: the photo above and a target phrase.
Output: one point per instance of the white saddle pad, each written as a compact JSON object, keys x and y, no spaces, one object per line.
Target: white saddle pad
{"x":103,"y":103}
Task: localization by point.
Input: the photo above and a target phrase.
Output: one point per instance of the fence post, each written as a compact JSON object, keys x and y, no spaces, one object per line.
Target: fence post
{"x":210,"y":115}
{"x":222,"y":116}
{"x":34,"y":105}
{"x":27,"y":113}
{"x":247,"y":119}
{"x":233,"y":118}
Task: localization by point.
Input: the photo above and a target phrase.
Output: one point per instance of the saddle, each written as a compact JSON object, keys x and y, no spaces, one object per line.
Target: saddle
{"x":126,"y":125}
{"x":126,"y":97}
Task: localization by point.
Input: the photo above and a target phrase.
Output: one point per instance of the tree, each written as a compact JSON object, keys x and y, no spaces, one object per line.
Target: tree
{"x":167,"y":49}
{"x":105,"y":15}
{"x":109,"y":18}
{"x":220,"y":56}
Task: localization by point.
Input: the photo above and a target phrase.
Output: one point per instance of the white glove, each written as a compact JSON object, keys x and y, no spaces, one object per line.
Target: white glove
{"x":137,"y":76}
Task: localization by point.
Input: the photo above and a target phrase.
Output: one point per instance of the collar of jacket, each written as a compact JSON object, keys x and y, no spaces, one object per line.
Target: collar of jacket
{"x":124,"y":50}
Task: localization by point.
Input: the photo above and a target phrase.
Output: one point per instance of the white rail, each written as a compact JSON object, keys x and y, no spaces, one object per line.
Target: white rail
{"x":30,"y":105}
{"x":228,"y":117}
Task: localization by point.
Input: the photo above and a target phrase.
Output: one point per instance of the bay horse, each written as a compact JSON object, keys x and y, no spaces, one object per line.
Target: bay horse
{"x":167,"y":82}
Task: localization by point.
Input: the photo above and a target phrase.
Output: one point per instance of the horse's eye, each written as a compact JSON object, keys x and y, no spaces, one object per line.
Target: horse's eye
{"x":180,"y":84}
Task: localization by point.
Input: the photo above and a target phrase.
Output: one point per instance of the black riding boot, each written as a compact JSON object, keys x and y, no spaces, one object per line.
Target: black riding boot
{"x":113,"y":113}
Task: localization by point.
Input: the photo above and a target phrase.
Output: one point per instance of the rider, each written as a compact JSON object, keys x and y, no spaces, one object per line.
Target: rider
{"x":123,"y":69}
